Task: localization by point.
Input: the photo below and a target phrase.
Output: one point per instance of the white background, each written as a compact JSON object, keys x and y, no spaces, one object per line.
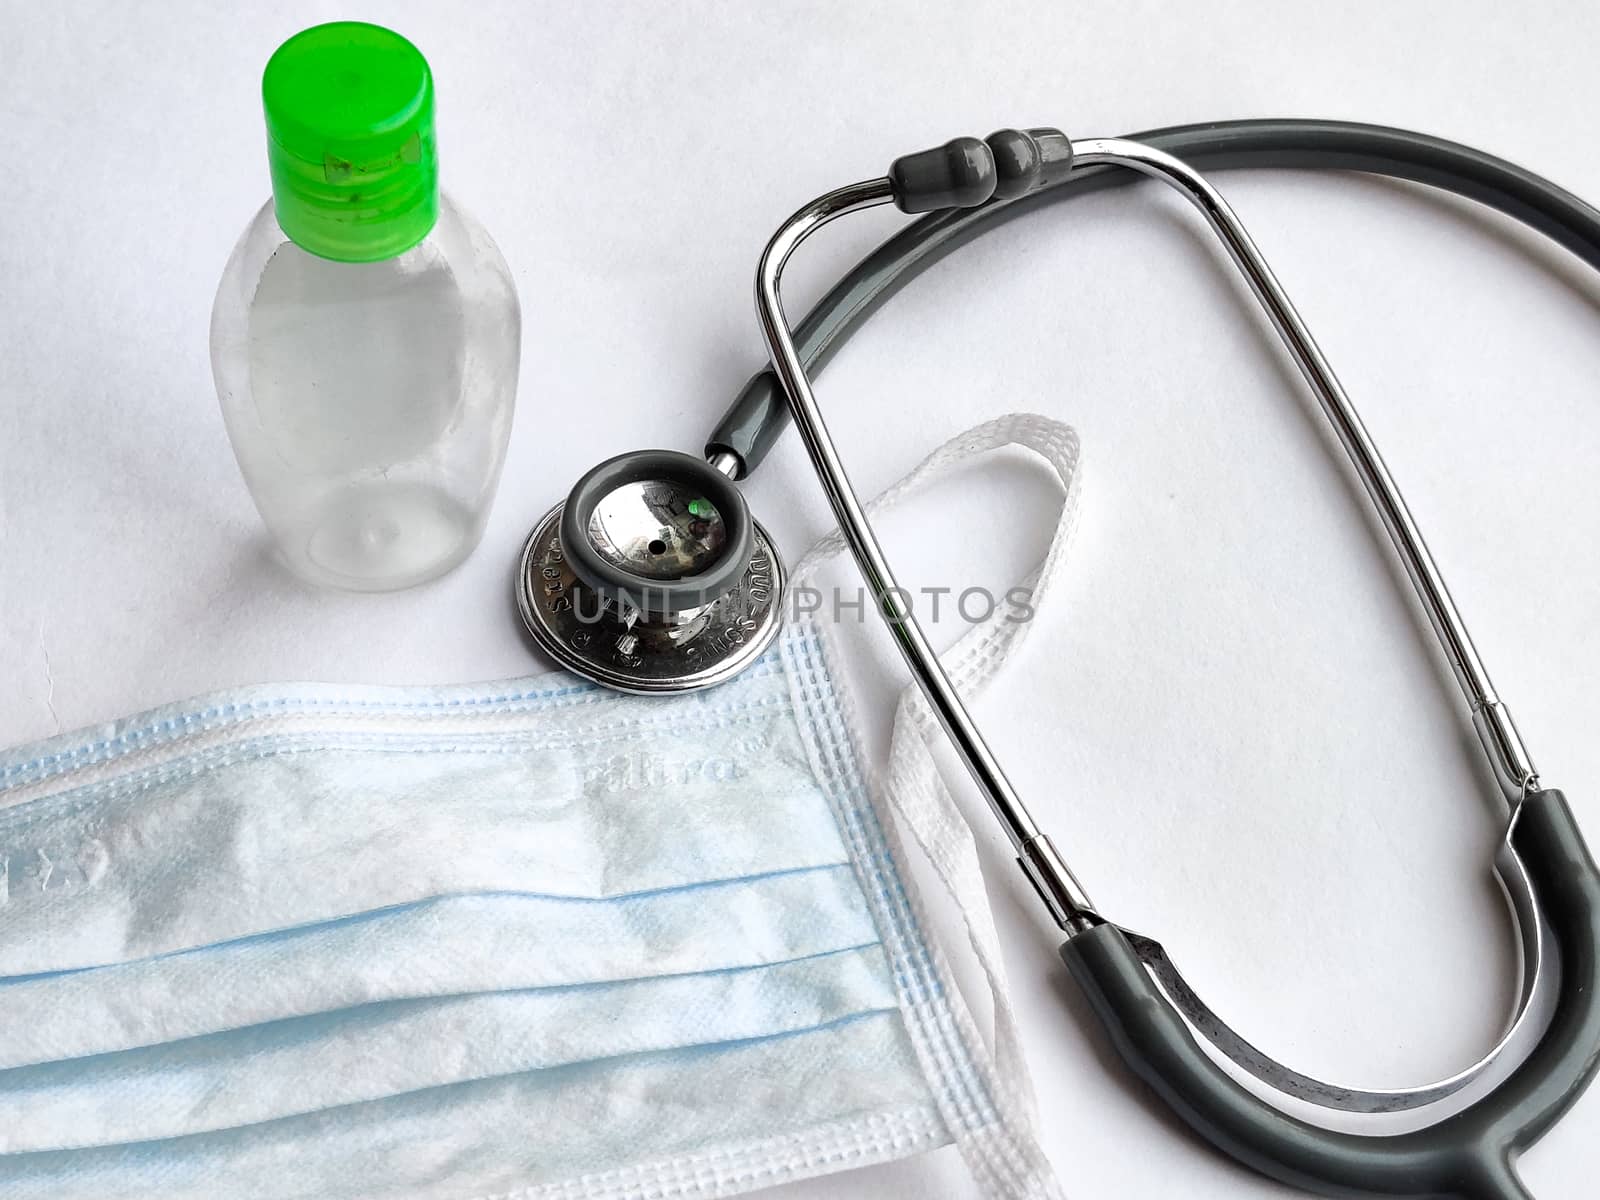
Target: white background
{"x":1228,"y":717}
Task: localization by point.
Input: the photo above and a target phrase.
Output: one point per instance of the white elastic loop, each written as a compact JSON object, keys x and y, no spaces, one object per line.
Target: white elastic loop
{"x":916,"y":792}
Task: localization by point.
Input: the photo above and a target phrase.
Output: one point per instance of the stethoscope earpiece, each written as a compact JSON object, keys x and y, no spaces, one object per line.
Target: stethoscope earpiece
{"x":651,"y":576}
{"x":966,"y":171}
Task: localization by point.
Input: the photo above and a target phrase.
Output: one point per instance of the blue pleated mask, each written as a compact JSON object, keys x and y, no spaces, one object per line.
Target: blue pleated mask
{"x":532,"y":939}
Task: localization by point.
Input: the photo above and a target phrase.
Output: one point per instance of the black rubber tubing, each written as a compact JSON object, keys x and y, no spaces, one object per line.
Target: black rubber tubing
{"x":760,"y":414}
{"x":1470,"y":1155}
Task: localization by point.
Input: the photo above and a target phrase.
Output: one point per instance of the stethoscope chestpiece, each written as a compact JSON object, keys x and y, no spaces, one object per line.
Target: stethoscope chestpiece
{"x":652,"y":576}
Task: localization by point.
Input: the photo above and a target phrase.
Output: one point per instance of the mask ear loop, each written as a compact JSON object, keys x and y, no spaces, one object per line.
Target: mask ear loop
{"x":914,"y":789}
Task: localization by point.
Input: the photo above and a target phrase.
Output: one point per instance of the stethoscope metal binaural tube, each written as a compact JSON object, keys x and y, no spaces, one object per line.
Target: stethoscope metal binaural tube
{"x":1509,"y":758}
{"x":1062,"y":894}
{"x":1512,"y":765}
{"x":1468,"y":1154}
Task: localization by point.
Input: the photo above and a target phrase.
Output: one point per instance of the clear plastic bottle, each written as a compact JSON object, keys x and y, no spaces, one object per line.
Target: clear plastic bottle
{"x":365,"y":336}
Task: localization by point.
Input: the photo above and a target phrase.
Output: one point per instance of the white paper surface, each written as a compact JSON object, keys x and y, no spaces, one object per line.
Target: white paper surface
{"x":1228,"y":718}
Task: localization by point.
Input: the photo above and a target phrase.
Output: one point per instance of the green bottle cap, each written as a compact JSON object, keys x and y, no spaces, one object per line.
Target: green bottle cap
{"x":355,"y":176}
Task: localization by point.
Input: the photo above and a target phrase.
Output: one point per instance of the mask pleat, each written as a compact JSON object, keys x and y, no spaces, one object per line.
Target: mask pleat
{"x":450,"y":946}
{"x":277,"y":835}
{"x":750,"y":1113}
{"x":291,"y":1067}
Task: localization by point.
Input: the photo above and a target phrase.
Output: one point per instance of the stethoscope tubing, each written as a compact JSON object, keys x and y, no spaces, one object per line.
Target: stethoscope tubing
{"x":1469,"y":1154}
{"x":759,"y":414}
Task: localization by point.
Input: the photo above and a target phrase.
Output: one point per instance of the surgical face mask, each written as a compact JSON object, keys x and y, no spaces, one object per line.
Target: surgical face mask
{"x":527,"y":940}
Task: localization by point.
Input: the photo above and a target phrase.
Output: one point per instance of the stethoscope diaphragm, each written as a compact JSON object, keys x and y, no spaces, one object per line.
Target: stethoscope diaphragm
{"x":651,"y":576}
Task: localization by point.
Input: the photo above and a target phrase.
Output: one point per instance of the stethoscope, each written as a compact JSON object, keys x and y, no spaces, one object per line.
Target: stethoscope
{"x":653,"y":577}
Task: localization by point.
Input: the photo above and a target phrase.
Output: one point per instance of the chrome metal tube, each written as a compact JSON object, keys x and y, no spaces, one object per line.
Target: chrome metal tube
{"x":1046,"y":871}
{"x":1513,"y":767}
{"x":1044,"y":868}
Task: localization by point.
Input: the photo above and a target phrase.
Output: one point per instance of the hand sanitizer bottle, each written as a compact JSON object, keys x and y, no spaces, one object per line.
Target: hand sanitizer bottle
{"x":365,"y":337}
